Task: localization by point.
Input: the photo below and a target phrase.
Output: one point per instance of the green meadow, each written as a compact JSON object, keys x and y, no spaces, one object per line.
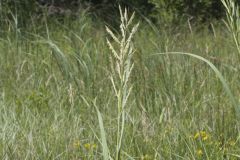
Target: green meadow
{"x":72,"y":89}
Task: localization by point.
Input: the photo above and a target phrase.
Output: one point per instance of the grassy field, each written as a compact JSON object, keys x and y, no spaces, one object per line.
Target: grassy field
{"x":53,"y":76}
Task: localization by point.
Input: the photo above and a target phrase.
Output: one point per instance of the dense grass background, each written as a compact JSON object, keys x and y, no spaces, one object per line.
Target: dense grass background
{"x":52,"y":72}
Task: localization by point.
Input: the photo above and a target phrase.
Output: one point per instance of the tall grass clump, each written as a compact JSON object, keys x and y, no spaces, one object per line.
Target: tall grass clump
{"x":233,"y":21}
{"x":122,"y":66}
{"x":233,"y":24}
{"x":218,"y":74}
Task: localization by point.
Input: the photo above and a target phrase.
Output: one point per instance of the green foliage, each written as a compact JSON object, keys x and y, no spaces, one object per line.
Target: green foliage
{"x":173,"y":98}
{"x":22,"y":11}
{"x":233,"y":20}
{"x":173,"y":10}
{"x":163,"y":11}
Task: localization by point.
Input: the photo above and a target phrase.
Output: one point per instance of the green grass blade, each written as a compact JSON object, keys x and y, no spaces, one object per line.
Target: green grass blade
{"x":218,"y":73}
{"x":60,"y":59}
{"x":234,"y":155}
{"x":106,"y":155}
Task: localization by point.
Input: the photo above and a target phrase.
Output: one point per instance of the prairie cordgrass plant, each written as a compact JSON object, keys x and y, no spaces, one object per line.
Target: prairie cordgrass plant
{"x":68,"y":93}
{"x":122,"y":66}
{"x":121,"y":72}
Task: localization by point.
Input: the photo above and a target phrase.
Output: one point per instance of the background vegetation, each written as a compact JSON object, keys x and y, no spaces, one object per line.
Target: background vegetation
{"x":55,"y":68}
{"x":161,"y":11}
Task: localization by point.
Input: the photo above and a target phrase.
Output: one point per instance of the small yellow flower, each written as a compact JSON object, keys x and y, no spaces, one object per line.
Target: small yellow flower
{"x":202,"y":134}
{"x":87,"y":146}
{"x":94,"y":146}
{"x":196,"y":136}
{"x":199,"y":152}
{"x":205,"y":138}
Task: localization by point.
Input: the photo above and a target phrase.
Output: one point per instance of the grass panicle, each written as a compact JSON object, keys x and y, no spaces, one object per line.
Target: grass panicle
{"x":121,"y":75}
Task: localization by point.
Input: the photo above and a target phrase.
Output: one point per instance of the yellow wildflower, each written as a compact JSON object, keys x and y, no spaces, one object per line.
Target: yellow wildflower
{"x":199,"y":152}
{"x":202,"y":134}
{"x":87,"y":146}
{"x":196,"y":136}
{"x":94,"y":146}
{"x":205,"y":137}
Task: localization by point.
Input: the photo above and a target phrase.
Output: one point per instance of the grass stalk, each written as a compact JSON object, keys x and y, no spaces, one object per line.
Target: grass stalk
{"x":121,"y":74}
{"x":233,"y":21}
